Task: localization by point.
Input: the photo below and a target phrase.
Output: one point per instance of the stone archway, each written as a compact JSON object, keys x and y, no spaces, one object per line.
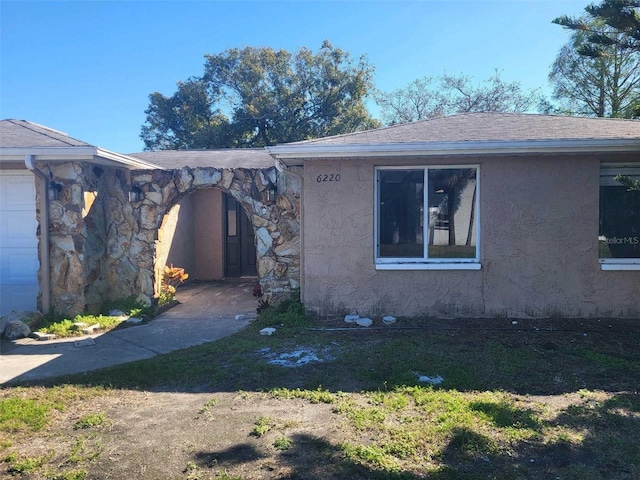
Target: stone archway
{"x":132,"y":240}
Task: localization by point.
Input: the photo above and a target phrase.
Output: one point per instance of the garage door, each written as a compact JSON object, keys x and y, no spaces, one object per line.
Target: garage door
{"x":18,"y":242}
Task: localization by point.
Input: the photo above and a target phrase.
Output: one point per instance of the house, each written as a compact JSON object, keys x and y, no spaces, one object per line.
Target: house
{"x":48,"y":181}
{"x":82,"y":226}
{"x":472,"y":215}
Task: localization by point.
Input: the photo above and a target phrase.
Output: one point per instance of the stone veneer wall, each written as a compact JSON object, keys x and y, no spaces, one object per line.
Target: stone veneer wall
{"x":133,"y":226}
{"x":77,"y":236}
{"x":103,"y":246}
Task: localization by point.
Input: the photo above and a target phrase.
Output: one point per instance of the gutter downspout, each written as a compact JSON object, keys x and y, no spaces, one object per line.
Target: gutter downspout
{"x":45,"y":280}
{"x":284,"y":168}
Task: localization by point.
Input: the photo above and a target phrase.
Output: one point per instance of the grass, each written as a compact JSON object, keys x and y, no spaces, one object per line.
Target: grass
{"x":79,"y":474}
{"x":28,"y":465}
{"x":262,"y":426}
{"x":61,"y":326}
{"x":319,"y":395}
{"x":130,"y":306}
{"x":282,"y":444}
{"x":84,"y":449}
{"x":22,"y":414}
{"x":29,"y":409}
{"x":90,"y":421}
{"x":67,"y":328}
{"x":510,"y":395}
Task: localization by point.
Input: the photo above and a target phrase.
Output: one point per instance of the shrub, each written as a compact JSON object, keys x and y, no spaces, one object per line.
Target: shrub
{"x":171,"y":278}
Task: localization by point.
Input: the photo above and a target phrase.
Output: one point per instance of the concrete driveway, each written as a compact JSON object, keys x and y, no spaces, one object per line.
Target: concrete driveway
{"x":206,"y":312}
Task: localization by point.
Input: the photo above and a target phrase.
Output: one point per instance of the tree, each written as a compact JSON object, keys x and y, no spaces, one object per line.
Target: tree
{"x":187,"y":119}
{"x":628,"y":182}
{"x":603,"y":86}
{"x":252,"y":97}
{"x":611,"y":23}
{"x":448,"y":94}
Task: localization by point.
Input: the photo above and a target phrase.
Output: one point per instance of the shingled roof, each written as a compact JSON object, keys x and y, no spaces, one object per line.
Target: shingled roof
{"x":473,"y":134}
{"x":21,"y":134}
{"x":492,"y":127}
{"x":227,"y":158}
{"x":20,"y":139}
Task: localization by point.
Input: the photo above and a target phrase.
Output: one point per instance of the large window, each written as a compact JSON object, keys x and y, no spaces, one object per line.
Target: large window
{"x":619,"y":233}
{"x":427,"y":217}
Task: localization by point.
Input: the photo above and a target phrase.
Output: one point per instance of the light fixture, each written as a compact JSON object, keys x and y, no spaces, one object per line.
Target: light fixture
{"x":135,"y":194}
{"x":272,"y":192}
{"x":54,"y":191}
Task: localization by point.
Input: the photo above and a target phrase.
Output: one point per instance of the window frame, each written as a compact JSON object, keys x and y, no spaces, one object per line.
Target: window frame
{"x":425,"y":263}
{"x":622,"y":169}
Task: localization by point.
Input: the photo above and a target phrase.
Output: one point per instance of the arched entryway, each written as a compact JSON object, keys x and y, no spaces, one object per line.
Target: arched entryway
{"x":210,"y":235}
{"x":273,"y":220}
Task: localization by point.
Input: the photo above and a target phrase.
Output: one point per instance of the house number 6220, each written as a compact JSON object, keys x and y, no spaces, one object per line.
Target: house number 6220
{"x":328,"y":177}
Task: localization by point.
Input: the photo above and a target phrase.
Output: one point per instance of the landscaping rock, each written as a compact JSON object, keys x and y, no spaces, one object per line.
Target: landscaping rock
{"x":90,"y":329}
{"x":351,"y":318}
{"x":41,"y":336}
{"x":17,"y":316}
{"x":85,"y":342}
{"x":364,"y":322}
{"x":16,"y":329}
{"x":134,"y":320}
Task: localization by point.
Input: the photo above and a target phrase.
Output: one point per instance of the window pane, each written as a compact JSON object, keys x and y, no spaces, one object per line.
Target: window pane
{"x":232,"y":221}
{"x":452,"y":205}
{"x":619,"y":235}
{"x":400,"y":211}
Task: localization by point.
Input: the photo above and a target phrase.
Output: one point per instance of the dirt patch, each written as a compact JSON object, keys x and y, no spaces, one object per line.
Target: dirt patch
{"x":578,"y":378}
{"x":160,"y":435}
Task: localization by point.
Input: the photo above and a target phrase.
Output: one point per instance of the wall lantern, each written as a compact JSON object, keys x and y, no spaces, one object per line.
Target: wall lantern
{"x":272,"y":191}
{"x":135,"y":194}
{"x":54,"y":191}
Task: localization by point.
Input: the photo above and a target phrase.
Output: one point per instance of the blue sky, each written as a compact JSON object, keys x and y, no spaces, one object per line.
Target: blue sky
{"x":87,"y":67}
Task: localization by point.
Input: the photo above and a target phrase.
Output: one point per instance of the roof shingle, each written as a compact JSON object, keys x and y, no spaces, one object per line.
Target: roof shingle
{"x":490,"y":127}
{"x":24,"y":134}
{"x":229,"y":158}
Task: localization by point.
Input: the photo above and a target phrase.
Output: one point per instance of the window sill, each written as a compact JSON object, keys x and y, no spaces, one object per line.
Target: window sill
{"x":620,"y":266}
{"x":428,"y":266}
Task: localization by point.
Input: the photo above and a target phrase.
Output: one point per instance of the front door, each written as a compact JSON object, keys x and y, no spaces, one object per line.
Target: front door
{"x":240,"y":249}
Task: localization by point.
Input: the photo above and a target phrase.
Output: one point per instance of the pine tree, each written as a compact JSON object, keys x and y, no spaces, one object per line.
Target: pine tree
{"x":611,"y":23}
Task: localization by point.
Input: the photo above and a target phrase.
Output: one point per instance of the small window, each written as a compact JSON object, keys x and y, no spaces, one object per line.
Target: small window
{"x":232,"y":219}
{"x":427,"y":218}
{"x":619,"y":232}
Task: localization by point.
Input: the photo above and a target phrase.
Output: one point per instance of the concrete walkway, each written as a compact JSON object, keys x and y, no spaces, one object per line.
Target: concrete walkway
{"x":207,"y":312}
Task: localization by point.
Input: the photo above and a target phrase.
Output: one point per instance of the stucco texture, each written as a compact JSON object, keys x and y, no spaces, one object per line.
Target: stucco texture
{"x":538,"y":230}
{"x":191,"y":237}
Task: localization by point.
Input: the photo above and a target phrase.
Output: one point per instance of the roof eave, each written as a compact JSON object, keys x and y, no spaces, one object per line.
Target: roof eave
{"x":426,"y":149}
{"x":78,"y":153}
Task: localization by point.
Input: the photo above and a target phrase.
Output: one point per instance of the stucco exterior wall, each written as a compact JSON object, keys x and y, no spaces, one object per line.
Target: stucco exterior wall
{"x":176,"y":239}
{"x":190,"y":237}
{"x":538,"y":231}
